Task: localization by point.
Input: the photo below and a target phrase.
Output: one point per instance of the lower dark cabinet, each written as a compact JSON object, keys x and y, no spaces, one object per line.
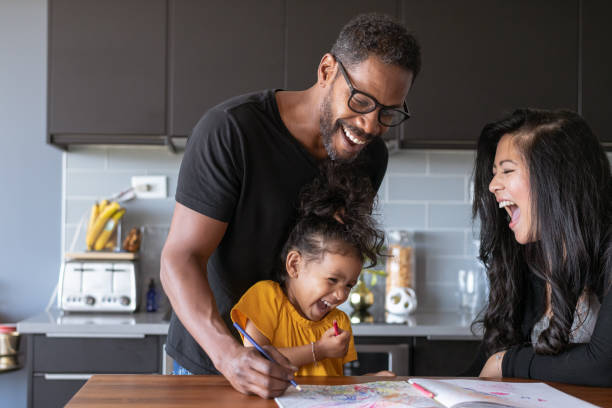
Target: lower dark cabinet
{"x":53,"y":392}
{"x":442,"y":357}
{"x":59,"y":365}
{"x":413,"y":356}
{"x":380,"y":353}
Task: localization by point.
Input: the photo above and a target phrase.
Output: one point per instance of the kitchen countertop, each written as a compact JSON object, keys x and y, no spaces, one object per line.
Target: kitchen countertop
{"x":56,"y":322}
{"x":434,"y":325}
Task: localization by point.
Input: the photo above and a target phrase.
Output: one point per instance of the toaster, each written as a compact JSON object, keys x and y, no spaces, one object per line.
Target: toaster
{"x":97,"y":286}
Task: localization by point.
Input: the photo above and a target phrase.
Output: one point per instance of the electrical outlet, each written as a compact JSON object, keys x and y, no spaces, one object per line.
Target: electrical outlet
{"x":150,"y":186}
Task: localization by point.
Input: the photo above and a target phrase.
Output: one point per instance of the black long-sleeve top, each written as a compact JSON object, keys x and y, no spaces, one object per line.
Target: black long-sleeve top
{"x":582,"y":363}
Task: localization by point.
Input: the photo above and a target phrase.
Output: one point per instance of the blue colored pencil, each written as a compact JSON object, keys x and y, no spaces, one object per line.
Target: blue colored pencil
{"x":261,"y":350}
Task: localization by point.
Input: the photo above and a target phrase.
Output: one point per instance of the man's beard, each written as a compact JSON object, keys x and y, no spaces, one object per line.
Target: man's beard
{"x":328,"y":128}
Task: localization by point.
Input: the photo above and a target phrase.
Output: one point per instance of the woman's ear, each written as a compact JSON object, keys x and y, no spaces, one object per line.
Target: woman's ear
{"x":293,"y":263}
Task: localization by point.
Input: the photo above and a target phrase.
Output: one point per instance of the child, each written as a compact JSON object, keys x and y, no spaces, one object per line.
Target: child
{"x":323,"y":256}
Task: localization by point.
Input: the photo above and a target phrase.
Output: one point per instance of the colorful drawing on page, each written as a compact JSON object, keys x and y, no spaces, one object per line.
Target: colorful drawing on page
{"x":379,"y":394}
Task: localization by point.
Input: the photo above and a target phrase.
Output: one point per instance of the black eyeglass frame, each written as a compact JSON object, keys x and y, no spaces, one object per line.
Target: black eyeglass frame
{"x":355,"y":91}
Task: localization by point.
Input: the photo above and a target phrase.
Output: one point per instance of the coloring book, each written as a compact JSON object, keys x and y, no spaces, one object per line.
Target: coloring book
{"x":446,"y":394}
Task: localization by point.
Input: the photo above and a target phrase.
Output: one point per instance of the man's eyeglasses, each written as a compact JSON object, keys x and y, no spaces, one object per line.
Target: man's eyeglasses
{"x":361,"y":102}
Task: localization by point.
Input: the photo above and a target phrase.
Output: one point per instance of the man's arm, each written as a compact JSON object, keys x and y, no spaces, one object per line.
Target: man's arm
{"x":192,"y":238}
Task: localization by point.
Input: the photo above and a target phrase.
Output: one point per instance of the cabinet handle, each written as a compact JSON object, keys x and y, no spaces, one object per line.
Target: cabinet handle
{"x":97,"y":335}
{"x":474,"y":338}
{"x":67,"y":377}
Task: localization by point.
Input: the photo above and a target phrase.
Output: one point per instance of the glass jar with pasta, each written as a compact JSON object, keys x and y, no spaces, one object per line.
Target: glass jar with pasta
{"x":401,"y":280}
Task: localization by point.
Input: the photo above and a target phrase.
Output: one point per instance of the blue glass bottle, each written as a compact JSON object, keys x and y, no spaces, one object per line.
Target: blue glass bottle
{"x":151,"y":297}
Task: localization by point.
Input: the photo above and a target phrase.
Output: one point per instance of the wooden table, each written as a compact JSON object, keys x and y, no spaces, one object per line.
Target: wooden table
{"x":209,"y":391}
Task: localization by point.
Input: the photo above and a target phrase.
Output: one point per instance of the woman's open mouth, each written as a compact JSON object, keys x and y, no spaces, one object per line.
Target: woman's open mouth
{"x":513,"y":211}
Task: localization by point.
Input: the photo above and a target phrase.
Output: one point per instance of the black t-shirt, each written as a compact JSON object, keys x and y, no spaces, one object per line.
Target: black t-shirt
{"x":243,"y":167}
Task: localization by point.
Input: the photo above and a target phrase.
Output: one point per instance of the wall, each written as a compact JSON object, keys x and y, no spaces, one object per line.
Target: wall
{"x":30,"y":177}
{"x":427,"y":192}
{"x":95,"y":173}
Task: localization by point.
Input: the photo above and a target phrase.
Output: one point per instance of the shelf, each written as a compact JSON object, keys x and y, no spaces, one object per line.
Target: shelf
{"x":104,"y":256}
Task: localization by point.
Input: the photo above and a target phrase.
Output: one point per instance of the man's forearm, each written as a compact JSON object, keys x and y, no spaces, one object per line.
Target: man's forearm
{"x":184,"y":281}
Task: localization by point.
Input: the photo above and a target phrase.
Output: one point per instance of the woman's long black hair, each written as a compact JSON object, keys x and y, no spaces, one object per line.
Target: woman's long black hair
{"x":335,"y":215}
{"x":570,"y":188}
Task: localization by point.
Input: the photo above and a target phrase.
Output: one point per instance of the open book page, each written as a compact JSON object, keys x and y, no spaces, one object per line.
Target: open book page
{"x":461,"y":393}
{"x":376,"y":394}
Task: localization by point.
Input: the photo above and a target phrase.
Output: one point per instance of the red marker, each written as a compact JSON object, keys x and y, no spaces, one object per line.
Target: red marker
{"x":336,"y":330}
{"x":422,"y":389}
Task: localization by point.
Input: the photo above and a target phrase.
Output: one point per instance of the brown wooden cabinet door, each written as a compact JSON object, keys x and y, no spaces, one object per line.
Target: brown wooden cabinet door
{"x":107,"y":70}
{"x":482,"y":59}
{"x":220,"y":49}
{"x":312,"y":28}
{"x":597,"y":67}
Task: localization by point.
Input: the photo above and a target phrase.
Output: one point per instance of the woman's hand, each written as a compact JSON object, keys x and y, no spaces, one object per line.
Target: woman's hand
{"x":493,"y":366}
{"x":332,"y":346}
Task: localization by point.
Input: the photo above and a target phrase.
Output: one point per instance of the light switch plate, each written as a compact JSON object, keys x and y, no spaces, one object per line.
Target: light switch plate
{"x":157,"y":186}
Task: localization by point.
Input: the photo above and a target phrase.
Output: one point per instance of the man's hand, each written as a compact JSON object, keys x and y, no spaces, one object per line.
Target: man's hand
{"x":251,"y":373}
{"x":332,"y":346}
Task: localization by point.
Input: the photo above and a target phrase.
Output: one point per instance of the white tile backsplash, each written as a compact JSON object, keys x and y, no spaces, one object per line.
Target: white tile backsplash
{"x":426,"y":191}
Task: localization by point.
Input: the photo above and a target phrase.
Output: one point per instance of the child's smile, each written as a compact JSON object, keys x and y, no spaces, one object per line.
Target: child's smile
{"x":316,"y":287}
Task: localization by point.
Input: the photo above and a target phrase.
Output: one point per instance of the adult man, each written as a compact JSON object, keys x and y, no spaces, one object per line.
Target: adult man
{"x":243,"y":168}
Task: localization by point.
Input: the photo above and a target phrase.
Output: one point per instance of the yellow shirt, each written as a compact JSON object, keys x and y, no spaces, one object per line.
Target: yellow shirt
{"x":266,"y":305}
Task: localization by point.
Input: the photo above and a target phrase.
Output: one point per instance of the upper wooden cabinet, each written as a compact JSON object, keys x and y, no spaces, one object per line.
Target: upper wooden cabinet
{"x":107,"y":68}
{"x":220,"y":49}
{"x":137,"y":71}
{"x":597,"y":67}
{"x":482,"y":59}
{"x":312,"y":28}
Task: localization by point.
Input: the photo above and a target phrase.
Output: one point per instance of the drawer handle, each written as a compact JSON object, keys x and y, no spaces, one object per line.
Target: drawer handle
{"x":66,"y":377}
{"x":434,"y":338}
{"x":97,"y":335}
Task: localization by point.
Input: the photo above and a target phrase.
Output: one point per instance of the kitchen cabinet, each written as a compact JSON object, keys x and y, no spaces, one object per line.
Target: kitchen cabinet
{"x":377,"y":353}
{"x":414,"y":356}
{"x":482,"y":59}
{"x":144,"y":71}
{"x":596,"y":67}
{"x":442,"y":356}
{"x":59,"y":364}
{"x":220,"y":49}
{"x":312,"y":28}
{"x":107,"y":70}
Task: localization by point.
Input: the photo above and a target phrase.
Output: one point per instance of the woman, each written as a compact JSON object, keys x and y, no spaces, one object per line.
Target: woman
{"x":543,"y":195}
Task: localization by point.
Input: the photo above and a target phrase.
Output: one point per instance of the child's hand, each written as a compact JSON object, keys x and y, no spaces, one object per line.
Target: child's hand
{"x":330,"y":345}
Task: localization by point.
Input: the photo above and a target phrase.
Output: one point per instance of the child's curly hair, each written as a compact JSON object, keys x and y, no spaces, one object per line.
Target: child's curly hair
{"x":335,"y":215}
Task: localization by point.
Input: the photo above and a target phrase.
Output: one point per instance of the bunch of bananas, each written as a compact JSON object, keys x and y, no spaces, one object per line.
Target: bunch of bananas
{"x":102,"y":227}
